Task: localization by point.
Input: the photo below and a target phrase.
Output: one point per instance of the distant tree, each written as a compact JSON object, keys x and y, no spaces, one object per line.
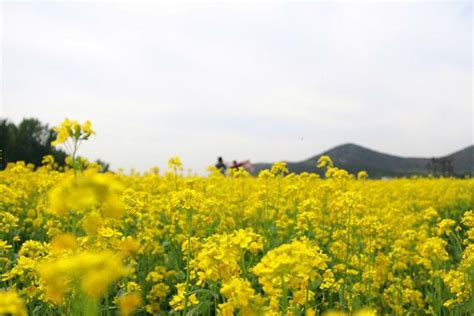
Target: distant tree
{"x":29,"y":142}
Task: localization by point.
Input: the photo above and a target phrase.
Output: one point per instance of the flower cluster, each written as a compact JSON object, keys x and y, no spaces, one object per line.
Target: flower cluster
{"x":71,"y":129}
{"x":291,"y":268}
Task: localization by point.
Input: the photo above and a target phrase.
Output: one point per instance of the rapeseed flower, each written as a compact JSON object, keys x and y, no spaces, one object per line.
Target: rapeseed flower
{"x":93,"y":271}
{"x":11,"y":304}
{"x":128,"y":303}
{"x":75,"y":240}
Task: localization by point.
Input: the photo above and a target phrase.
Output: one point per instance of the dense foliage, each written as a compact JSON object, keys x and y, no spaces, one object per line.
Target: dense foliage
{"x":28,"y":141}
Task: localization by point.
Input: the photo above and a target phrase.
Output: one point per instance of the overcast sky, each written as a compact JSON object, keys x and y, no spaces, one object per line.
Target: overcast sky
{"x":246,"y":81}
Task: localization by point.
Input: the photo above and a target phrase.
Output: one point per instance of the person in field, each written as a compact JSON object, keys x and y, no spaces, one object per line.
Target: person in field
{"x":245,"y":164}
{"x":221,"y":165}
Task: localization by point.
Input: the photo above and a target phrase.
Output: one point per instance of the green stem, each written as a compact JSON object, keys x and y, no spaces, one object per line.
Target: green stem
{"x":284,"y":301}
{"x":188,"y":258}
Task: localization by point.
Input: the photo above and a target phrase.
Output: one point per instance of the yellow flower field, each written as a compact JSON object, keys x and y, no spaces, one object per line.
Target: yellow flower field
{"x":76,"y":241}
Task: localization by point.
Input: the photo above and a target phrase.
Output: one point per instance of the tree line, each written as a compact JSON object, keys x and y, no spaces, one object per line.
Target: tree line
{"x":30,"y":141}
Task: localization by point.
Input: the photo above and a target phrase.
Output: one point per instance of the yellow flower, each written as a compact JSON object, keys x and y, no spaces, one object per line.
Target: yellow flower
{"x":362,"y":175}
{"x":95,"y":271}
{"x":334,"y":313}
{"x":87,"y":128}
{"x":220,"y":256}
{"x":128,"y":303}
{"x":325,"y":161}
{"x":86,"y":192}
{"x":175,"y":163}
{"x":8,"y":222}
{"x":266,"y":174}
{"x":129,"y":245}
{"x":457,"y":283}
{"x":365,"y":312}
{"x":279,"y":167}
{"x":63,"y":242}
{"x":444,"y":227}
{"x":226,"y":309}
{"x":179,"y":299}
{"x":468,"y":218}
{"x":291,"y":266}
{"x":4,"y":245}
{"x":360,"y":312}
{"x":241,"y":296}
{"x":33,"y":249}
{"x":72,"y":129}
{"x":11,"y":304}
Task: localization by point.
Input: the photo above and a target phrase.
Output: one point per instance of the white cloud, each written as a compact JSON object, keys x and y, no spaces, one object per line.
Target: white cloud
{"x":243,"y":80}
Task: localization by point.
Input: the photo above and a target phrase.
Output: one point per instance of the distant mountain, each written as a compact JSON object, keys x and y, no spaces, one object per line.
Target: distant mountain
{"x":463,"y":161}
{"x":355,"y":158}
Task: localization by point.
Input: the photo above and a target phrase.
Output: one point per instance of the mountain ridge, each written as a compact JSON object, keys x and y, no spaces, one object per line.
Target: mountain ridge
{"x":354,"y":158}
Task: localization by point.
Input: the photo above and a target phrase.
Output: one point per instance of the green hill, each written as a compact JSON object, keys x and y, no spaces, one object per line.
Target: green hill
{"x":355,"y":158}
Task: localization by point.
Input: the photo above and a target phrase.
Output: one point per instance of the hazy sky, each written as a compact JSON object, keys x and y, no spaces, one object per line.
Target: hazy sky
{"x":246,"y":81}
